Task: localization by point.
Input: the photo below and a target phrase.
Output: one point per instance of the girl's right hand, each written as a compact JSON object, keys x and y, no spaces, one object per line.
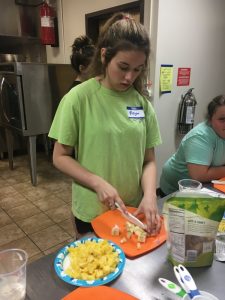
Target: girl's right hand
{"x":108,"y":195}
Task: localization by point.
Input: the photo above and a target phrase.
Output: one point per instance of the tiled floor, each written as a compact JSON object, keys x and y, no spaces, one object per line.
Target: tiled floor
{"x":36,"y":219}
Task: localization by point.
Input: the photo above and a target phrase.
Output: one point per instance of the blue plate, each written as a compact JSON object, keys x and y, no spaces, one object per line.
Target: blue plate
{"x":61,"y":256}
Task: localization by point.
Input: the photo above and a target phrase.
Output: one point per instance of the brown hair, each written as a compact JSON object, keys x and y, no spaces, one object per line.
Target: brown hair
{"x":214,"y":104}
{"x":82,"y":52}
{"x":121,"y":33}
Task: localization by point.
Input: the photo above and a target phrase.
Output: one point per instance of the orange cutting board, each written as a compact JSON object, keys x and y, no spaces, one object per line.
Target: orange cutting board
{"x":98,"y":292}
{"x":220,"y":187}
{"x":104,"y":223}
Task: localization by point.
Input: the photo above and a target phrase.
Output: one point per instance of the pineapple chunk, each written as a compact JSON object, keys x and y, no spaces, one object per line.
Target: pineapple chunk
{"x":138,"y":245}
{"x":115,"y":230}
{"x":142,"y":237}
{"x":129,"y":234}
{"x":123,"y":240}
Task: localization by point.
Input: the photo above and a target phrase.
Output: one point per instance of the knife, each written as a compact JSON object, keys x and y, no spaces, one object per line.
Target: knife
{"x":131,"y":218}
{"x":218,"y":181}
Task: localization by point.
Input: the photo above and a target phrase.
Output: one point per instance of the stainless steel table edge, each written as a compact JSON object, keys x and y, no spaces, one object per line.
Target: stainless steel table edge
{"x":139,"y":278}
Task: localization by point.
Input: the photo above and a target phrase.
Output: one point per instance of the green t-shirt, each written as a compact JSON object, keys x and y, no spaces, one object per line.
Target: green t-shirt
{"x":110,"y":131}
{"x":201,"y":146}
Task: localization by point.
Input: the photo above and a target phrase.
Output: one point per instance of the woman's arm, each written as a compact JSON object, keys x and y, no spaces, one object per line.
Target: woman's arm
{"x":148,"y":205}
{"x":64,"y":162}
{"x":198,"y":152}
{"x":205,"y":173}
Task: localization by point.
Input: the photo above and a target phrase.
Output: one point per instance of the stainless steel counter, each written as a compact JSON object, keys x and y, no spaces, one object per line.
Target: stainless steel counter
{"x":139,"y":278}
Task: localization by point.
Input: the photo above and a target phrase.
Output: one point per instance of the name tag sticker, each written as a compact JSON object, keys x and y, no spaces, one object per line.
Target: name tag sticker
{"x":135,"y":112}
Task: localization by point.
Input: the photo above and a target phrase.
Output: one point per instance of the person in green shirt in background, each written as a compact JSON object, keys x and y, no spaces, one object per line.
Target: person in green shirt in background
{"x":113,"y":128}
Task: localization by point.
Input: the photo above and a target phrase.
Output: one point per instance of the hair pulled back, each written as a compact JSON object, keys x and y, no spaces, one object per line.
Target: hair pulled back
{"x":121,"y":33}
{"x":214,"y":104}
{"x":82,"y":52}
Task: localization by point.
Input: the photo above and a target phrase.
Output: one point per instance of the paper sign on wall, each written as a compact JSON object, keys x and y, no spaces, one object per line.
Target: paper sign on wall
{"x":183,"y":76}
{"x":166,"y":78}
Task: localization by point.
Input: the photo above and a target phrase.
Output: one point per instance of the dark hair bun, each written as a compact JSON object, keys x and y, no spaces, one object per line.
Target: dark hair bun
{"x":82,"y":52}
{"x":82,"y":44}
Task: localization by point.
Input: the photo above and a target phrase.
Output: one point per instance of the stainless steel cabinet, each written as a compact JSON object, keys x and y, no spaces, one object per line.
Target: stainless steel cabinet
{"x":29,"y":96}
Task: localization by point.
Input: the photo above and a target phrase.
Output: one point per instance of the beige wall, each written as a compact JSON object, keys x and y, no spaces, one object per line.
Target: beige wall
{"x":186,"y":34}
{"x":183,"y":33}
{"x":71,"y":18}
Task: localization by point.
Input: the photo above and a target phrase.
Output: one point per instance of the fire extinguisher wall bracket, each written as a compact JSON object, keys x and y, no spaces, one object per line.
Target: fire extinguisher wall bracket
{"x":55,"y":20}
{"x":186,"y":112}
{"x":48,"y":21}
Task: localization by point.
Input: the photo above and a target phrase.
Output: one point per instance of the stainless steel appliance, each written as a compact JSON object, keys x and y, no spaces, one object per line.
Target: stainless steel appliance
{"x":29,"y":96}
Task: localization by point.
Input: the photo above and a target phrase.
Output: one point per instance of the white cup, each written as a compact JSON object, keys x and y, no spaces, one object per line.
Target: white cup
{"x":204,"y":296}
{"x":13,"y":274}
{"x":189,"y":185}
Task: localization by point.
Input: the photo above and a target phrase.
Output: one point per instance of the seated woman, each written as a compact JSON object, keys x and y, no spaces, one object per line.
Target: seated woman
{"x":201,"y":153}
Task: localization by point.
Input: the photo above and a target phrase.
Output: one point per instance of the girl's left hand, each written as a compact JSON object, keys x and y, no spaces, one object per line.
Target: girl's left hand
{"x":148,"y":207}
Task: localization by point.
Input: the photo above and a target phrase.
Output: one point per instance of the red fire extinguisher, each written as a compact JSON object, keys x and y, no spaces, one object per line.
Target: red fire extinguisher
{"x":47,"y":15}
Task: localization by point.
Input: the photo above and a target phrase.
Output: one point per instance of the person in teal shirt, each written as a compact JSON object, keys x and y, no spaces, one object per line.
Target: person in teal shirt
{"x":112,"y":127}
{"x":201,"y":153}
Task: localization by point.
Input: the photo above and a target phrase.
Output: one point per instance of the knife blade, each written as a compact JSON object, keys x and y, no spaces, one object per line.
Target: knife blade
{"x":131,"y":218}
{"x":218,"y":181}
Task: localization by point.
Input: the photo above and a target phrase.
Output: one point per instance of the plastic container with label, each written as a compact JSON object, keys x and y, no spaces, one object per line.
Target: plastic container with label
{"x":192,"y":218}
